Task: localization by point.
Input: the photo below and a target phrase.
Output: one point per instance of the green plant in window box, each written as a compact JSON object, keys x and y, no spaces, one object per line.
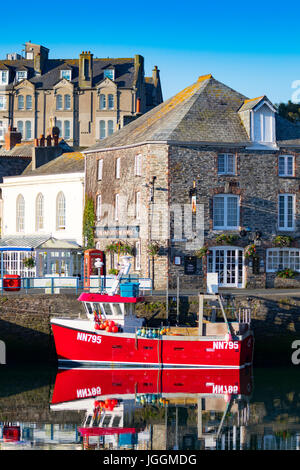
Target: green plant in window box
{"x":226,"y":239}
{"x":286,"y":273}
{"x":283,"y":240}
{"x":202,"y":252}
{"x":29,"y":262}
{"x":250,"y":251}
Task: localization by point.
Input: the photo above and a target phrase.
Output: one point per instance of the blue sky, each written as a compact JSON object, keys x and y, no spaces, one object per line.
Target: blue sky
{"x":254,"y":47}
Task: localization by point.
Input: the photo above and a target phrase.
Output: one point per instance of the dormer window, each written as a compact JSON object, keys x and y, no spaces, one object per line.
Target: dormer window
{"x":66,"y":74}
{"x":263,"y":129}
{"x":21,"y":75}
{"x":3,"y":77}
{"x":258,"y":118}
{"x":109,"y":73}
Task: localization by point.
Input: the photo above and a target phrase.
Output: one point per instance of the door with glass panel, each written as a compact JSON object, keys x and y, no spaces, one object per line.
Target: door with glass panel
{"x":228,"y":262}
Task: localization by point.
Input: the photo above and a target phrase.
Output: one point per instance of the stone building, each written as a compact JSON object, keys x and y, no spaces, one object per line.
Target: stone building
{"x":86,"y":98}
{"x":208,"y":181}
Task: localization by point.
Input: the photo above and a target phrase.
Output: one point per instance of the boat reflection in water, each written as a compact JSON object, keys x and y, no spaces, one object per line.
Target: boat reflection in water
{"x":158,"y":409}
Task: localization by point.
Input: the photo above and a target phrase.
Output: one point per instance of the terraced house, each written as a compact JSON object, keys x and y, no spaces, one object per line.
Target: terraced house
{"x":86,"y":98}
{"x":208,"y":165}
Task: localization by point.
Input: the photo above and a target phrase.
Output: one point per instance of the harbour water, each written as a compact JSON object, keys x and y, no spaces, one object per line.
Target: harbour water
{"x":42,"y":408}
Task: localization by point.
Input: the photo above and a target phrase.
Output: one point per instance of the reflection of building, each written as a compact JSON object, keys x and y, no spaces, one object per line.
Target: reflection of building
{"x":42,"y":217}
{"x":235,"y":157}
{"x":86,"y":98}
{"x":44,"y":436}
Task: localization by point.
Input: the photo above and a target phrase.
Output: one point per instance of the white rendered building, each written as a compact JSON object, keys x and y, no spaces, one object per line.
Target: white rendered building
{"x":42,"y":218}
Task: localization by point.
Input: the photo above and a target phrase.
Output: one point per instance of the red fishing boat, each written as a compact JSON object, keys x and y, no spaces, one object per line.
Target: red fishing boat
{"x":113,"y":335}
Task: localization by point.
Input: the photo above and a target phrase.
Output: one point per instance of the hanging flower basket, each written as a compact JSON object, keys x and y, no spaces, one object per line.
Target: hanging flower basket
{"x":153,"y":249}
{"x":29,"y":263}
{"x":202,"y":252}
{"x":250,"y":251}
{"x":119,"y":247}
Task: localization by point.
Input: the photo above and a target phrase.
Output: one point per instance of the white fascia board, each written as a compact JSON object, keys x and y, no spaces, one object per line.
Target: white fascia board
{"x":33,"y":179}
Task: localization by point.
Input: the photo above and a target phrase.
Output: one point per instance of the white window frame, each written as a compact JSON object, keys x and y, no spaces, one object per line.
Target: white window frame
{"x":20,"y":128}
{"x":138,"y":205}
{"x":67,"y":105}
{"x":67,"y":127}
{"x":103,"y":129}
{"x":116,"y":217}
{"x":21,"y":75}
{"x":102,"y":101}
{"x":3,"y":77}
{"x":110,"y":101}
{"x":110,"y":71}
{"x":110,"y":127}
{"x":285,"y":159}
{"x":137,"y":260}
{"x":21,"y":107}
{"x":2,"y":130}
{"x":20,"y":213}
{"x":100,"y":169}
{"x":286,"y":197}
{"x":66,"y":74}
{"x":138,"y":165}
{"x":59,"y":99}
{"x":3,"y":102}
{"x":28,"y":130}
{"x":39,"y":212}
{"x":60,"y":211}
{"x":275,"y":262}
{"x":226,"y":157}
{"x":27,"y":99}
{"x":118,"y":168}
{"x":99,"y":207}
{"x":226,"y":198}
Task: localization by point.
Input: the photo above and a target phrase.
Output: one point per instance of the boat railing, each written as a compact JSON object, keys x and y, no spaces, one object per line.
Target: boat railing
{"x":244,"y":315}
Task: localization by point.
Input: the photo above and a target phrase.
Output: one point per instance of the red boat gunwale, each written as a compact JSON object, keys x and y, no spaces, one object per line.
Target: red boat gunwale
{"x":105,"y":298}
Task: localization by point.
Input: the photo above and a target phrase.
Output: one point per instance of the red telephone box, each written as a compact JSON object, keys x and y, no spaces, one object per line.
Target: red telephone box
{"x":90,"y":257}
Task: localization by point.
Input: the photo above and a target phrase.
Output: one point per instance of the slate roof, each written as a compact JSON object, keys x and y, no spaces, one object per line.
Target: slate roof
{"x":19,"y":150}
{"x":69,"y":162}
{"x":124,"y":71}
{"x":205,"y":112}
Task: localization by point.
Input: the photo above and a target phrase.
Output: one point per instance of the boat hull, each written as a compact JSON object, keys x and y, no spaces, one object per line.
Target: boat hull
{"x":77,"y":343}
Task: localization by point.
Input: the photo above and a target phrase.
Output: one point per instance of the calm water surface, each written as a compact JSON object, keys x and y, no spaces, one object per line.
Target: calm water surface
{"x":43,"y":408}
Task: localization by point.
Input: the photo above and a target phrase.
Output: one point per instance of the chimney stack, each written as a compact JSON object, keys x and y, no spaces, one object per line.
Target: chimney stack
{"x":85,"y":69}
{"x":12,"y":137}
